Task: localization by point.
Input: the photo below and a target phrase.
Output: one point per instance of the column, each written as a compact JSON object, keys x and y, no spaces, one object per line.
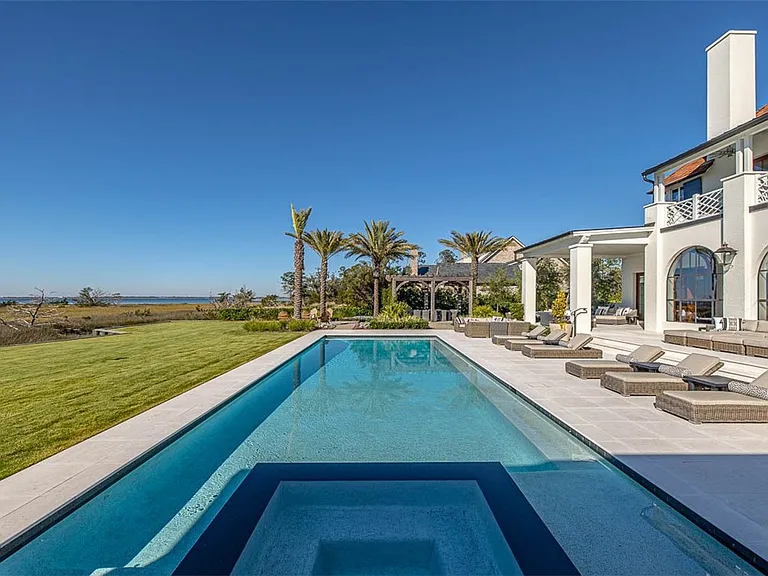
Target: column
{"x":432,"y":307}
{"x":528,"y":280}
{"x":581,"y":286}
{"x":740,"y":279}
{"x":659,"y":193}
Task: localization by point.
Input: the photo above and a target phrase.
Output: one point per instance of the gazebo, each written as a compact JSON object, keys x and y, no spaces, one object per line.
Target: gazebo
{"x":431,"y":283}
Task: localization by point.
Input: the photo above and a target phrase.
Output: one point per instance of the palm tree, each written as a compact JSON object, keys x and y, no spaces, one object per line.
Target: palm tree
{"x":381,"y":244}
{"x":299,"y":218}
{"x":473,"y":244}
{"x":326,"y":243}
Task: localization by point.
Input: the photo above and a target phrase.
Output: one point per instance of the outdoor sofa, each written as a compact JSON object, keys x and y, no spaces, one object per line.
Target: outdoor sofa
{"x":742,"y":402}
{"x":576,"y":347}
{"x":485,"y":328}
{"x":751,"y":340}
{"x":615,"y":315}
{"x":667,"y":378}
{"x":554,"y":336}
{"x":594,"y":369}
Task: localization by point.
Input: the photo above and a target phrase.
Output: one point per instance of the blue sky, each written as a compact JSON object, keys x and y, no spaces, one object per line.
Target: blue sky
{"x":156,"y":148}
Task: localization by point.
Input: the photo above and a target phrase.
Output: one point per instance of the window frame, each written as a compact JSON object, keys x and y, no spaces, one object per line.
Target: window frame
{"x":762,"y":289}
{"x":683,"y":297}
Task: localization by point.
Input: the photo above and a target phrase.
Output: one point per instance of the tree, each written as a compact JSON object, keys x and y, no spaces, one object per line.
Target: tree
{"x":606,"y":281}
{"x":498,"y":292}
{"x":27,"y":315}
{"x":96,"y":297}
{"x":356,"y":286}
{"x":473,"y":244}
{"x":381,"y":244}
{"x":559,"y":306}
{"x":243,"y":297}
{"x":550,"y":277}
{"x":269,"y":300}
{"x":299,"y":220}
{"x":446,"y":257}
{"x":326,"y":243}
{"x":287,"y":282}
{"x":411,"y":294}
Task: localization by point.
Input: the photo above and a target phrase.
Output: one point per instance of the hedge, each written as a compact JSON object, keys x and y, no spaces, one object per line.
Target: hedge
{"x":252,"y":313}
{"x":398,"y":324}
{"x":264,"y":326}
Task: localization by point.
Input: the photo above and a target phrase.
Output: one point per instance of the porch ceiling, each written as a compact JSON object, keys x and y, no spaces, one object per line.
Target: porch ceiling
{"x":606,"y":243}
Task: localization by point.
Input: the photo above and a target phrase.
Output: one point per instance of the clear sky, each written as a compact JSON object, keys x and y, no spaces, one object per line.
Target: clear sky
{"x":156,"y":148}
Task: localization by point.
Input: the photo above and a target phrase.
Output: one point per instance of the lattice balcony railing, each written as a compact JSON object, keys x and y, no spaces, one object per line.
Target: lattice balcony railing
{"x":700,"y":206}
{"x":762,"y":189}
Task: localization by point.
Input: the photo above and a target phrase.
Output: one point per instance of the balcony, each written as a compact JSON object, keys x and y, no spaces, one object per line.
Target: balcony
{"x":762,"y":189}
{"x":698,"y":207}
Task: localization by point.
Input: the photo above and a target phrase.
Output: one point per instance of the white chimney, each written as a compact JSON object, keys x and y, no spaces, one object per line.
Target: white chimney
{"x":730,"y":81}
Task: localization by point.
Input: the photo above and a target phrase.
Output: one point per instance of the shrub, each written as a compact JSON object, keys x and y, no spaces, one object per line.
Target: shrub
{"x":483,"y":311}
{"x":380,"y":323}
{"x":264,"y":326}
{"x":301,"y":325}
{"x":395,"y":311}
{"x":235,"y":314}
{"x":559,"y":307}
{"x":341,"y":312}
{"x":516,"y":311}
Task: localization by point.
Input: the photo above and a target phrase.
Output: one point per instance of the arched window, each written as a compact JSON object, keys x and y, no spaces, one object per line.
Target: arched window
{"x":694,"y":287}
{"x":762,"y":290}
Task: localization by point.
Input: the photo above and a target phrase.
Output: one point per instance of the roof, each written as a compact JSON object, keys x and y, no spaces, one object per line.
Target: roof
{"x":761,"y":117}
{"x":484,"y":270}
{"x":489,"y":255}
{"x":693,"y":168}
{"x":612,"y":242}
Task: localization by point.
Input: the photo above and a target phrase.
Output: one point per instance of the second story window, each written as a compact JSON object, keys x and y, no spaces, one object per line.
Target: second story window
{"x":685,"y":191}
{"x":761,"y":164}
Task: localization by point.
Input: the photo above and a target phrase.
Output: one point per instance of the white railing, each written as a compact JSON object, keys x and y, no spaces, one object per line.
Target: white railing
{"x":762,"y":189}
{"x":695,"y":208}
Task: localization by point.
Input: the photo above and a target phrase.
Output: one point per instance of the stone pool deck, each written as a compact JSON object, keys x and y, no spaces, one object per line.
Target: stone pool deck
{"x":719,"y":471}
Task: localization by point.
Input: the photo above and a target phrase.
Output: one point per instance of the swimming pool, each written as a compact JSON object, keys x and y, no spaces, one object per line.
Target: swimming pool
{"x":361,"y":400}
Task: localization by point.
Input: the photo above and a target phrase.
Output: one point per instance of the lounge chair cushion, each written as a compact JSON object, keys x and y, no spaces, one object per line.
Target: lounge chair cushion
{"x":644,"y":353}
{"x":699,"y":364}
{"x":748,"y":390}
{"x":535,"y":333}
{"x":762,"y":326}
{"x":577,"y":342}
{"x":749,"y":325}
{"x":555,"y":335}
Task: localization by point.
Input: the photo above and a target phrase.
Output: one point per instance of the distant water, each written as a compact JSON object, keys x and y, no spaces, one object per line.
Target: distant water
{"x":130,"y":299}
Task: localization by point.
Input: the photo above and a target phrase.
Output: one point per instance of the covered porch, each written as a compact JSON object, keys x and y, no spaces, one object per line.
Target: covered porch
{"x":580,"y":247}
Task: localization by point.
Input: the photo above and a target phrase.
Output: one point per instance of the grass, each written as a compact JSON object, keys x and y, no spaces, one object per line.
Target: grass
{"x":56,"y":394}
{"x":72,"y":311}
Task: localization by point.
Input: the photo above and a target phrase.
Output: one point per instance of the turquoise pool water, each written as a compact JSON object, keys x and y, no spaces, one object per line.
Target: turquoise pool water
{"x":366,"y":400}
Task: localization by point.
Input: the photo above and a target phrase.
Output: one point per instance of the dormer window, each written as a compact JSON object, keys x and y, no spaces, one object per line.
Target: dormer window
{"x":684,"y":191}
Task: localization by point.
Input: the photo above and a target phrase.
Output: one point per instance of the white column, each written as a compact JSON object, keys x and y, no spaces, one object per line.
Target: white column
{"x":749,"y":156}
{"x":658,"y":187}
{"x":528,"y":269}
{"x":740,"y":279}
{"x":739,"y":156}
{"x":581,"y":286}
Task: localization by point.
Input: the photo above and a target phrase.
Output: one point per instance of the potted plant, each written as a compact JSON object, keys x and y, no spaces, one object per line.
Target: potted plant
{"x":559,"y":306}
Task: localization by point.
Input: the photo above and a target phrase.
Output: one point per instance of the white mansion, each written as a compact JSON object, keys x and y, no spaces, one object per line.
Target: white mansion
{"x":702,"y":251}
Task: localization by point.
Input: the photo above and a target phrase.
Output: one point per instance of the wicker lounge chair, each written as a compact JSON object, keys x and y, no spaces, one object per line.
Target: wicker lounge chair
{"x":555,"y":335}
{"x":576,"y":347}
{"x":594,"y":369}
{"x":667,"y":378}
{"x":742,"y":403}
{"x":523,"y":336}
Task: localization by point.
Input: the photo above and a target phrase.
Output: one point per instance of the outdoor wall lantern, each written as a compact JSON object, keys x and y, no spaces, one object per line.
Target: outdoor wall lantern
{"x":725,"y":255}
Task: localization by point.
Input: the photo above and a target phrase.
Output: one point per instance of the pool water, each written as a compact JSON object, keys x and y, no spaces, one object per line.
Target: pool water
{"x":374,"y":400}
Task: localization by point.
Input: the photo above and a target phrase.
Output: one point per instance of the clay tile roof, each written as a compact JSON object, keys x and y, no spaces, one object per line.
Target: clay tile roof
{"x":685,"y":171}
{"x":762,"y":111}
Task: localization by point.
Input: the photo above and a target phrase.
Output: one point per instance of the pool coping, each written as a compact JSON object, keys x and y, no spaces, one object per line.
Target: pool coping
{"x":36,"y":516}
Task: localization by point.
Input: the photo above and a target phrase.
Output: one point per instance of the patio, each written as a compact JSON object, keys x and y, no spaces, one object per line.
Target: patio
{"x":716,"y":471}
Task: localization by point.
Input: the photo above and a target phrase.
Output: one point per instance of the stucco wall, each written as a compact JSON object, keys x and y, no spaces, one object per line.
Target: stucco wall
{"x":629,"y":269}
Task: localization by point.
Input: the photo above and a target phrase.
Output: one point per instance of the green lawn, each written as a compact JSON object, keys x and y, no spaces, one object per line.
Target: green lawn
{"x":56,"y":394}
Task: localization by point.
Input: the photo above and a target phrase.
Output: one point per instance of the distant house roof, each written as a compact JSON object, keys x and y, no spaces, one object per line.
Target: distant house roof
{"x":489,"y":255}
{"x":763,"y":111}
{"x":484,"y":270}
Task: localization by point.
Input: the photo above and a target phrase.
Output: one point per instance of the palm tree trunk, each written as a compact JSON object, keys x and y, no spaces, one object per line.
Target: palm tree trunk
{"x":375,"y":291}
{"x":323,"y":281}
{"x":298,"y":277}
{"x":473,"y":288}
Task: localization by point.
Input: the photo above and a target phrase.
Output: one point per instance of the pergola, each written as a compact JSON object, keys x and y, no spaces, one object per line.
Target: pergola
{"x":432,"y":283}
